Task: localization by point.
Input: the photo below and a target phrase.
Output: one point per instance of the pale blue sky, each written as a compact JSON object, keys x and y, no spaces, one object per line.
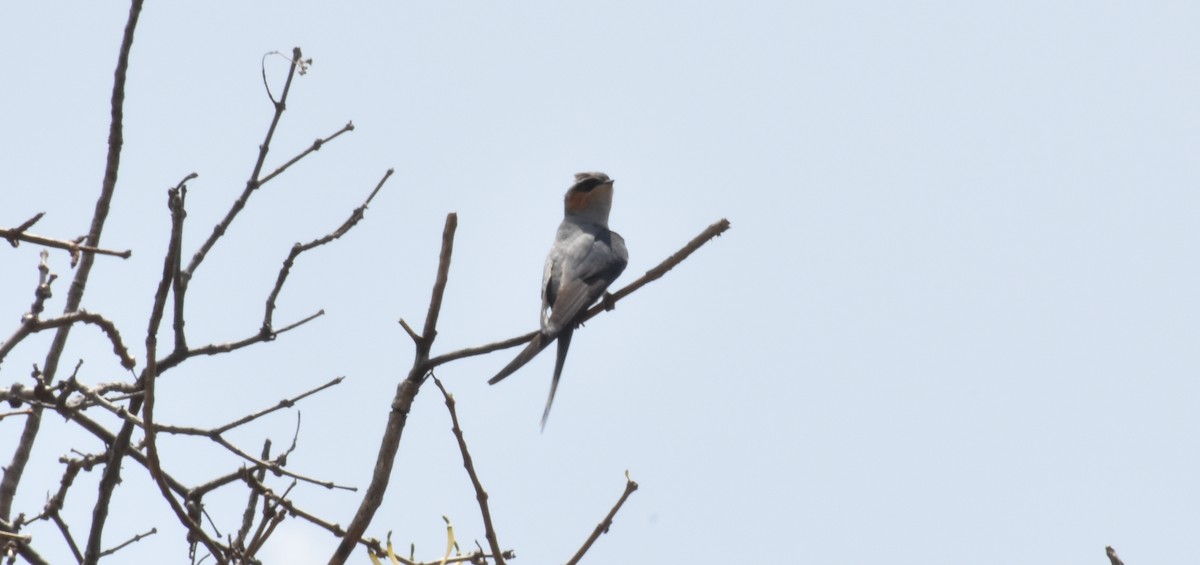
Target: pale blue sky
{"x":955,"y":320}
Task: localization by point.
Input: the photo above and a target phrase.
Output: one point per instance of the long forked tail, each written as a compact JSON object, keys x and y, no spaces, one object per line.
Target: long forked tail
{"x":564,"y":342}
{"x":540,"y":341}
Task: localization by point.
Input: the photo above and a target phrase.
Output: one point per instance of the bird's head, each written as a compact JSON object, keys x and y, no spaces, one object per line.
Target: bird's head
{"x":590,"y":198}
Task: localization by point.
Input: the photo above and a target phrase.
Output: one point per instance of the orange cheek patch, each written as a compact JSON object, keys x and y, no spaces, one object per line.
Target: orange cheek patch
{"x":578,"y":201}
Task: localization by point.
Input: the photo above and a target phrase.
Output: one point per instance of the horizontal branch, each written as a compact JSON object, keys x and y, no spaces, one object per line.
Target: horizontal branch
{"x":18,"y":234}
{"x":482,"y":349}
{"x":177,"y":357}
{"x":608,"y":303}
{"x":213,"y":435}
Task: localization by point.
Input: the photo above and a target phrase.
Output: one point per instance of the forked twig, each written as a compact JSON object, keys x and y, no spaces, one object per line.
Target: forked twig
{"x":297,"y":249}
{"x":406,"y":391}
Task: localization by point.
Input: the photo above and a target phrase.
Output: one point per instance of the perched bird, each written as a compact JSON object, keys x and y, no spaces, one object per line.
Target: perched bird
{"x":585,"y":259}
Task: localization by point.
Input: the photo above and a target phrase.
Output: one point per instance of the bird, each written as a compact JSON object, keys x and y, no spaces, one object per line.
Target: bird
{"x":585,"y":259}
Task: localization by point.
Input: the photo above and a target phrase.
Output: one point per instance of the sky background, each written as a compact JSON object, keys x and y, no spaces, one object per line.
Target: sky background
{"x":955,"y":320}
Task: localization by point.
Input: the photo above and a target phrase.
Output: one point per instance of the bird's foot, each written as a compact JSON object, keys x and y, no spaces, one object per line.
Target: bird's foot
{"x":608,"y":302}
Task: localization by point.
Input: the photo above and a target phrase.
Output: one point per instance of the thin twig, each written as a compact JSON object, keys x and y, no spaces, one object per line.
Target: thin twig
{"x":132,"y":540}
{"x":177,"y":284}
{"x":33,"y":325}
{"x":213,"y":435}
{"x":66,"y":533}
{"x":25,"y":412}
{"x":605,"y":524}
{"x":480,"y":494}
{"x":286,"y":403}
{"x":175,"y":358}
{"x":416,"y":337}
{"x":316,"y":146}
{"x":473,"y":351}
{"x":17,"y":234}
{"x":439,"y":284}
{"x":298,"y":248}
{"x":252,"y":183}
{"x":28,"y":224}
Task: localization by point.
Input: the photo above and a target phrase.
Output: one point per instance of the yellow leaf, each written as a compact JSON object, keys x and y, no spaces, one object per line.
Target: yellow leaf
{"x":449,"y":540}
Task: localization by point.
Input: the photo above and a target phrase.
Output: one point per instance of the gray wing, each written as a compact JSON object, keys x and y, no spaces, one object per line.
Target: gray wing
{"x":580,"y":277}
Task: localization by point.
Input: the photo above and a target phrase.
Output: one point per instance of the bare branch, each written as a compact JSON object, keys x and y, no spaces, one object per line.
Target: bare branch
{"x":177,"y":285}
{"x":480,"y":494}
{"x":297,"y":249}
{"x":657,"y":272}
{"x":176,"y":358}
{"x":16,"y":468}
{"x":416,"y":337}
{"x":33,"y":325}
{"x":6,"y":534}
{"x":53,"y":508}
{"x":370,"y":543}
{"x":252,"y":183}
{"x":27,"y":224}
{"x":248,"y":514}
{"x":439,"y":285}
{"x":287,"y":403}
{"x":66,"y":533}
{"x":608,"y":303}
{"x":473,"y":351}
{"x":25,"y":412}
{"x":272,"y":517}
{"x":213,"y":435}
{"x":316,"y":146}
{"x":149,"y":376}
{"x":604,"y":525}
{"x":134,"y":539}
{"x":110,"y":438}
{"x":22,"y":548}
{"x":1112,"y":556}
{"x":406,"y":391}
{"x":43,"y":291}
{"x":18,"y":234}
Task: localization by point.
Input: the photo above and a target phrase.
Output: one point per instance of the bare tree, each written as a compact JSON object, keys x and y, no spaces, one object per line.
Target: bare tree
{"x":262,"y":476}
